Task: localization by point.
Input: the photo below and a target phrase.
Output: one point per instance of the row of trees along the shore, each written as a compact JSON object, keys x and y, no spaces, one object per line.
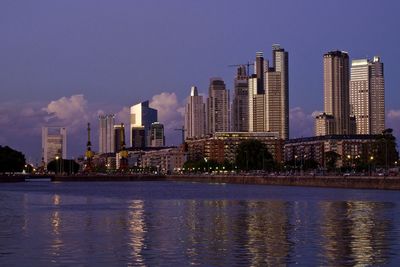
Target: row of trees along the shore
{"x":11,"y":161}
{"x":254,"y":155}
{"x":63,"y":166}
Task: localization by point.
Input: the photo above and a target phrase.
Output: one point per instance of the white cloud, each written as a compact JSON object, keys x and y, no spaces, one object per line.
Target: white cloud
{"x":4,"y":118}
{"x":123,"y":116}
{"x":301,"y":122}
{"x":71,"y":112}
{"x":169,"y":110}
{"x":171,"y":114}
{"x":393,"y":121}
{"x":393,"y":114}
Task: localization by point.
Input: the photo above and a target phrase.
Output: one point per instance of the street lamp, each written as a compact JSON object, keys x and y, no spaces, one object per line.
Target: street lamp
{"x":57,"y":163}
{"x":350,"y":163}
{"x":370,"y":163}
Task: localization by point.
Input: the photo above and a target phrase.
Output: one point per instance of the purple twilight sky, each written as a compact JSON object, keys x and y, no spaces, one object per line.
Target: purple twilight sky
{"x":65,"y":62}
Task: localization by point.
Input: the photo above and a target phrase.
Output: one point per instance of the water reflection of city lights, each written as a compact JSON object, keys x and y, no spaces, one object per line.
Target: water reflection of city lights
{"x":136,"y":231}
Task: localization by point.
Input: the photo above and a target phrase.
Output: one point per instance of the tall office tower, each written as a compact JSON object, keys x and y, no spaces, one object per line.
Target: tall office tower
{"x":142,"y":116}
{"x":106,"y":134}
{"x":119,"y":135}
{"x":252,"y":92}
{"x":367,"y":96}
{"x":259,"y":71}
{"x":240,"y":105}
{"x":195,"y":124}
{"x":217,"y":107}
{"x":377,"y":88}
{"x":157,"y":138}
{"x":269,"y":108}
{"x":336,"y":90}
{"x":54,"y":143}
{"x":277,"y":86}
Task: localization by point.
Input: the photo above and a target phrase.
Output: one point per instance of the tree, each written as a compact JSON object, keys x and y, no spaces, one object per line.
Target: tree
{"x":253,"y":155}
{"x":310,"y":164}
{"x":385,"y":152}
{"x":331,"y":158}
{"x":68,"y":166}
{"x":11,"y":160}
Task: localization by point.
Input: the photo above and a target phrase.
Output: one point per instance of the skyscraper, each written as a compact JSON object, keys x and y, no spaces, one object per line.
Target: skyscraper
{"x":324,"y":124}
{"x":336,"y":90}
{"x":106,"y":134}
{"x":377,"y":88}
{"x":259,"y":72}
{"x":268,"y":107}
{"x":54,"y":143}
{"x":240,"y":105}
{"x":217,"y":107}
{"x":195,"y":125}
{"x":142,"y":116}
{"x":157,"y":138}
{"x":277,"y":85}
{"x":119,"y":135}
{"x":367,"y":96}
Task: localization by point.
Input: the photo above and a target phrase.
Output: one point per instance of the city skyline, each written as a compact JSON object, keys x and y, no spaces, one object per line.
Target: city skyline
{"x":68,"y":79}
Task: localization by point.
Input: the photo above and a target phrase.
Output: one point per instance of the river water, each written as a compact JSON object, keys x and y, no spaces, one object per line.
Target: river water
{"x":183,"y":224}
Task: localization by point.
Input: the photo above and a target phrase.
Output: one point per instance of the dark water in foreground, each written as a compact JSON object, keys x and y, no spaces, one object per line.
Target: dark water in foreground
{"x":183,"y":224}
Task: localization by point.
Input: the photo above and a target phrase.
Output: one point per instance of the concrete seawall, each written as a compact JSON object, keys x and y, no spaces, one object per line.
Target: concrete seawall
{"x":356,"y":182}
{"x":12,"y":179}
{"x":107,"y":178}
{"x":351,"y":182}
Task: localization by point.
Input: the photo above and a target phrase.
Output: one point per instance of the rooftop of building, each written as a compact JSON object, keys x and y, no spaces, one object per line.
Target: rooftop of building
{"x":336,"y":53}
{"x":333,"y":137}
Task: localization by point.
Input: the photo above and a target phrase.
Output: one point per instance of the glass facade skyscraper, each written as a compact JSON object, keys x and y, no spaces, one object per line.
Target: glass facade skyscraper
{"x":141,"y":117}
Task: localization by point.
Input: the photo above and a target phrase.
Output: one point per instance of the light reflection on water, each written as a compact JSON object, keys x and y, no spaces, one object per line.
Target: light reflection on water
{"x":156,"y":224}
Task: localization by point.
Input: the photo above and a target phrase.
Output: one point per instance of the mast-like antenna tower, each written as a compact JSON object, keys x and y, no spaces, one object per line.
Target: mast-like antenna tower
{"x":89,"y":153}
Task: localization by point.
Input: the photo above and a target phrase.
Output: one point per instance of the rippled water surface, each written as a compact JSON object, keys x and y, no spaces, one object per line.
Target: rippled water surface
{"x":183,"y":224}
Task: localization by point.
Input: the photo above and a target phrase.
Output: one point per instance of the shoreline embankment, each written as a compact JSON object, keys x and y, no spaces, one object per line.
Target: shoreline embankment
{"x":349,"y":182}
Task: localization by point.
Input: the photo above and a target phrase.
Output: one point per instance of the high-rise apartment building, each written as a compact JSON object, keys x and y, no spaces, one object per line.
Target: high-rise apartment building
{"x":367,"y":95}
{"x":336,"y":90}
{"x":119,"y":135}
{"x":240,"y":105}
{"x":54,"y":143}
{"x":259,"y":69}
{"x":106,"y":134}
{"x":218,"y":107}
{"x":195,"y":124}
{"x":269,"y":108}
{"x":277,"y":86}
{"x":324,"y":124}
{"x":157,"y":137}
{"x":142,"y":116}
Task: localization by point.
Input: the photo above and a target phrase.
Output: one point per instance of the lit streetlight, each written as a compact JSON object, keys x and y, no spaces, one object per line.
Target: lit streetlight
{"x":371,"y":158}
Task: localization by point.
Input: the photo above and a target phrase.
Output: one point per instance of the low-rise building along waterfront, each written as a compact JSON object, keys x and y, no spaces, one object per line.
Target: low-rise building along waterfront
{"x":222,"y":146}
{"x":350,"y":149}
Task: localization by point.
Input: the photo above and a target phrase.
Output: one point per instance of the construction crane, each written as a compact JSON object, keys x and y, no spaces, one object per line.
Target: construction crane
{"x":248,"y":64}
{"x":182,"y":130}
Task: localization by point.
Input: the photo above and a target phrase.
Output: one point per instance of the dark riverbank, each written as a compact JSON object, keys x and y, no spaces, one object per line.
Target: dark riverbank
{"x":12,"y":178}
{"x":353,"y":182}
{"x":108,"y":178}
